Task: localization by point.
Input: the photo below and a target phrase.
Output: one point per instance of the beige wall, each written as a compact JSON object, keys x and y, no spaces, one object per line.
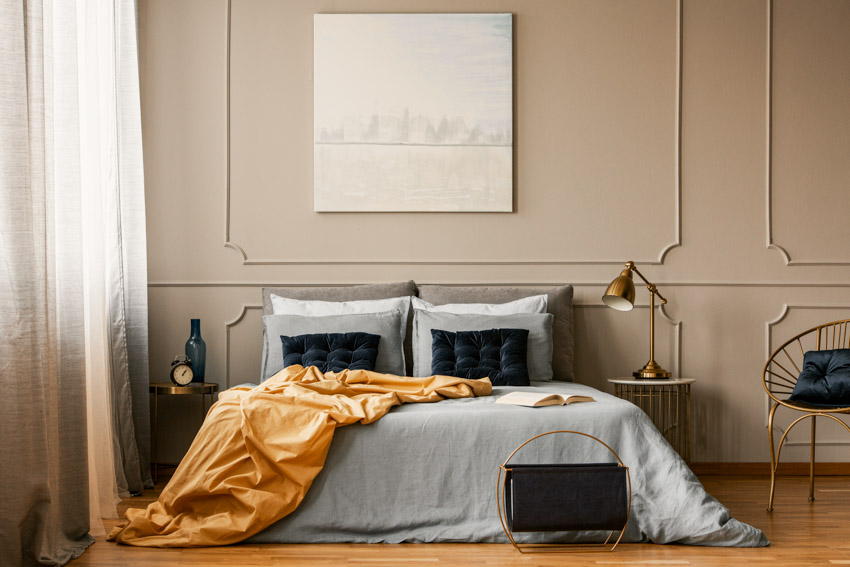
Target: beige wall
{"x":643,"y":131}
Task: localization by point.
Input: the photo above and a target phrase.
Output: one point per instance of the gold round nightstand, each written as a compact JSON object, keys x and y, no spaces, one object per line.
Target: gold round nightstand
{"x":668,"y":405}
{"x":170,"y":389}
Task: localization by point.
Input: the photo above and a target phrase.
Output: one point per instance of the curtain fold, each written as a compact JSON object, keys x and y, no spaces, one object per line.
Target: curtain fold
{"x":74,"y":422}
{"x":133,"y":237}
{"x":43,"y":465}
{"x":113,"y":178}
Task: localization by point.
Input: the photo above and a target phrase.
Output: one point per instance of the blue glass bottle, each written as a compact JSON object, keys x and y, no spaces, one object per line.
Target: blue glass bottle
{"x":196,"y":350}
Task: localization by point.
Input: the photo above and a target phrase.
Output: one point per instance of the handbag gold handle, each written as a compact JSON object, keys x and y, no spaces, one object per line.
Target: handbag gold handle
{"x":501,"y":499}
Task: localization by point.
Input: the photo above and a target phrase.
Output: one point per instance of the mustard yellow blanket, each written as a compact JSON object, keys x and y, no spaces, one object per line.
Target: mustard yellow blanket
{"x":259,"y":450}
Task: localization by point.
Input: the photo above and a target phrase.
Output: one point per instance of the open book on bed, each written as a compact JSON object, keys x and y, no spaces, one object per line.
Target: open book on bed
{"x":540,"y":399}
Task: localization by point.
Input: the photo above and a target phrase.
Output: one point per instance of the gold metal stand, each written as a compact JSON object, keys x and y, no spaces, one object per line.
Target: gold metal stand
{"x":169,"y":389}
{"x":651,"y":370}
{"x":557,"y":548}
{"x":668,"y":405}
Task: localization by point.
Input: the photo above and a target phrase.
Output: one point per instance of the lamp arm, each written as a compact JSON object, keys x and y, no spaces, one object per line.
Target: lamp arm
{"x":651,"y":369}
{"x":650,"y":286}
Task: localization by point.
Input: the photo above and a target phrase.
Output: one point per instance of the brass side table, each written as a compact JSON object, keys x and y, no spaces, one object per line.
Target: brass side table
{"x":169,"y":389}
{"x":668,"y":405}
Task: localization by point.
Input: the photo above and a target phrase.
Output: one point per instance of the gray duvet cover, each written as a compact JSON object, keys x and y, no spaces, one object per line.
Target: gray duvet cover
{"x":427,"y":473}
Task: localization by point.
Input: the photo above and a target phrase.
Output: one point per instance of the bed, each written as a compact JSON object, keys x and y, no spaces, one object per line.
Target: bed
{"x":427,"y":472}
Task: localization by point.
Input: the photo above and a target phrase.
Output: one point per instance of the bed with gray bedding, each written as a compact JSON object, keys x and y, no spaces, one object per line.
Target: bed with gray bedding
{"x":427,"y":473}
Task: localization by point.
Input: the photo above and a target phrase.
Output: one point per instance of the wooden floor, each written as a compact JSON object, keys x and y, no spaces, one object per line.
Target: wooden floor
{"x":802,"y":533}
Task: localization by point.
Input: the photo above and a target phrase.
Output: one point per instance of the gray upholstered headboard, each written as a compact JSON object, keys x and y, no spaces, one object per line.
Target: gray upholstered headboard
{"x":560,"y":305}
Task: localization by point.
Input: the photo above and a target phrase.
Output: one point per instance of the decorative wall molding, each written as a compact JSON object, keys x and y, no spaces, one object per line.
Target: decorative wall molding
{"x":763,"y":469}
{"x":786,"y":309}
{"x":227,"y":326}
{"x":677,"y":190}
{"x":676,"y":369}
{"x":771,"y":244}
{"x":227,"y":242}
{"x":659,"y":283}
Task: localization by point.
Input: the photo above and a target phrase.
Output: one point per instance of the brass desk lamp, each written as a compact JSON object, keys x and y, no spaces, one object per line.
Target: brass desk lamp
{"x":621,"y":296}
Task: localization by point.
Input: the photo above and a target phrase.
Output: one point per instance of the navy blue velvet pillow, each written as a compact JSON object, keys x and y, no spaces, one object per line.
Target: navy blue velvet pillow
{"x":331,"y":352}
{"x":825,"y":379}
{"x":498,"y":354}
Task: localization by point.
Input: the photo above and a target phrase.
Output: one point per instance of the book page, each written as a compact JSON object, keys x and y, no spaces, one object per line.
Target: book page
{"x":575,"y":398}
{"x":533,"y":399}
{"x":541,"y":399}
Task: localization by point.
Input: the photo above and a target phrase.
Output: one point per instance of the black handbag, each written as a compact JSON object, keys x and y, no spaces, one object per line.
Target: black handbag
{"x":564,"y":497}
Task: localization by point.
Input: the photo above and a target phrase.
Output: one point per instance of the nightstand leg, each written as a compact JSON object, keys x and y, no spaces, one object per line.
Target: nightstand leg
{"x":155,"y":431}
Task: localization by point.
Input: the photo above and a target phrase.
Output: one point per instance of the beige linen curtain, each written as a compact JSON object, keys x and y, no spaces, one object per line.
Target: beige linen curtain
{"x":74,"y":428}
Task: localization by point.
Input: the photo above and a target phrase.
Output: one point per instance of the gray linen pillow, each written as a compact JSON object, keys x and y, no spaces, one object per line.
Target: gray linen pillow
{"x":339,"y":293}
{"x":348,"y":293}
{"x":560,"y":304}
{"x":387,"y":324}
{"x":539,"y":327}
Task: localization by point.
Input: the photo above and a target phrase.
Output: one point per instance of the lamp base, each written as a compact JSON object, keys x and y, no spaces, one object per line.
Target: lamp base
{"x":651,"y":371}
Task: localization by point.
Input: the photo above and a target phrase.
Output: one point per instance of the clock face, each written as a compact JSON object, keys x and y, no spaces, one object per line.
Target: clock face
{"x":182,"y":374}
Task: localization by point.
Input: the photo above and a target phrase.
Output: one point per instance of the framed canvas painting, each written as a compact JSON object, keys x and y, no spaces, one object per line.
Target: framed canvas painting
{"x":413,"y":112}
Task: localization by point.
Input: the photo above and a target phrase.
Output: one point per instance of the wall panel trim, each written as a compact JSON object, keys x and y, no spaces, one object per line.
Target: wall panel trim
{"x":771,"y":243}
{"x":677,"y":189}
{"x":227,"y":242}
{"x":676,"y":369}
{"x":224,"y":284}
{"x":763,"y":469}
{"x":227,"y":326}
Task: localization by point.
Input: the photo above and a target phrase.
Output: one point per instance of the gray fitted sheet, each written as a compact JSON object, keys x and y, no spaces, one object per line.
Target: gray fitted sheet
{"x":427,"y":473}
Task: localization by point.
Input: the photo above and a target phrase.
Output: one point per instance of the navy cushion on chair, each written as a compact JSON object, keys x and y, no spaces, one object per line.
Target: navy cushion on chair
{"x":331,"y":352}
{"x":825,"y":379}
{"x":498,"y":354}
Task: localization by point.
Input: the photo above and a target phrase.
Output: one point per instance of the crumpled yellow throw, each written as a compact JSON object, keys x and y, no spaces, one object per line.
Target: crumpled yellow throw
{"x":259,"y":450}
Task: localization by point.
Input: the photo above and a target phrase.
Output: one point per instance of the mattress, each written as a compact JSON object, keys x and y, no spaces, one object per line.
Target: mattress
{"x":428,"y":473}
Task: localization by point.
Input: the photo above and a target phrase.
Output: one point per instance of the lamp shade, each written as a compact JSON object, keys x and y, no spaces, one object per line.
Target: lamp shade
{"x":620,"y":294}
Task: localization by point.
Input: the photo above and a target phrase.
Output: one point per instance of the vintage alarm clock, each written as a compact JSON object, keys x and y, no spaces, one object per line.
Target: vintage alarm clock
{"x":181,"y":370}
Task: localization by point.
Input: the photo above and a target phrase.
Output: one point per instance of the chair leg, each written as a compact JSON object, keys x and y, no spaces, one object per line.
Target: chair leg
{"x":812,"y":465}
{"x":773,"y":463}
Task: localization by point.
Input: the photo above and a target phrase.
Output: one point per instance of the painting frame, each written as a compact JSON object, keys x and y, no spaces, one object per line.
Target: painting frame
{"x":413,"y":112}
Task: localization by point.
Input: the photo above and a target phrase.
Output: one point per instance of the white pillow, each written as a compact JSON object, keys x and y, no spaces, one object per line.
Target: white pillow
{"x":532,"y":304}
{"x":318,"y":308}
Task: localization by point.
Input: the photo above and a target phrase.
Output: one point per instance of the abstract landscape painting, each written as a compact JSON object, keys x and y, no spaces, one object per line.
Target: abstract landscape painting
{"x":413,"y":112}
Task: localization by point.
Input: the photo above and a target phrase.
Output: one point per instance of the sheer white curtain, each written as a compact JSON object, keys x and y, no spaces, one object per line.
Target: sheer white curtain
{"x":113,"y":223}
{"x":74,"y":427}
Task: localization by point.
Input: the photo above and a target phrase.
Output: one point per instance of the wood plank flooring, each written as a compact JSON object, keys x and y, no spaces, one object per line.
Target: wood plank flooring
{"x":801,"y":532}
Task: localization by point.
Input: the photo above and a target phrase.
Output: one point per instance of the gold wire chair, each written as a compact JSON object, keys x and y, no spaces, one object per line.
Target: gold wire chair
{"x":779,"y":380}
